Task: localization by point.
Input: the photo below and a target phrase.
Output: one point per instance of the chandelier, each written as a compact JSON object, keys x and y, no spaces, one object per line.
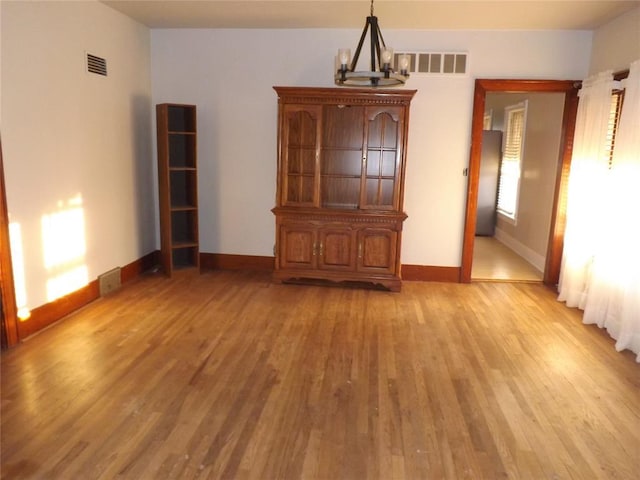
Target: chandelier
{"x":382,"y":72}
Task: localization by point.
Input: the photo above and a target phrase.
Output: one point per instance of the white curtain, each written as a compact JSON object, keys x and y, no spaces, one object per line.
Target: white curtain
{"x":601,"y":262}
{"x":589,"y":166}
{"x":613,"y":299}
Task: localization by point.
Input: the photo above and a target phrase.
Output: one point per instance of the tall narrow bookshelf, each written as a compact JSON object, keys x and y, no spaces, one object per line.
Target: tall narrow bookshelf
{"x":178,"y":187}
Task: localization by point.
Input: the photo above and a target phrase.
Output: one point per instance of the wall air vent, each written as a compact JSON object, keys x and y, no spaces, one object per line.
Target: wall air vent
{"x":438,"y":63}
{"x":96,"y":65}
{"x":110,"y":281}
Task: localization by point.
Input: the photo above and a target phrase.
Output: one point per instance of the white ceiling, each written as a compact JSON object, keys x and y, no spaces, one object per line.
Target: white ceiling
{"x":412,"y":14}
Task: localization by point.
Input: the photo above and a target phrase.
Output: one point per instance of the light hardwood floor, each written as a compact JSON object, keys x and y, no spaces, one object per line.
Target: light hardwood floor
{"x":493,"y":260}
{"x":227,"y":375}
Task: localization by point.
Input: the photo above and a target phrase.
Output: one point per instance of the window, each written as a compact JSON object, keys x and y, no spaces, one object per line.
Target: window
{"x":614,"y":117}
{"x":512,"y":150}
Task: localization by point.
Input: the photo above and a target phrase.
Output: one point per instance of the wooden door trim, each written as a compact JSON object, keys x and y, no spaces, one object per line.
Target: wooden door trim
{"x":556,"y":234}
{"x":6,"y":269}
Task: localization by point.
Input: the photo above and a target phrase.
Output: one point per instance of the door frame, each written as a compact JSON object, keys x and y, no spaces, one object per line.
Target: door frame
{"x":558,"y":214}
{"x":9,"y":308}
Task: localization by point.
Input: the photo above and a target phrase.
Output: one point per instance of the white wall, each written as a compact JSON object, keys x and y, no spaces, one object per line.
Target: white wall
{"x":616,"y":44}
{"x":75,"y":142}
{"x":228,"y":74}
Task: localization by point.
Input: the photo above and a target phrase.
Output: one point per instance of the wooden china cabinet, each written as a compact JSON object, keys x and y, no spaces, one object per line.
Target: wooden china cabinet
{"x":341,"y":163}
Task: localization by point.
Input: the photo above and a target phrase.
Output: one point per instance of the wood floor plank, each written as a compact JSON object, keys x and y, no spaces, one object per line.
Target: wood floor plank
{"x":228,"y":375}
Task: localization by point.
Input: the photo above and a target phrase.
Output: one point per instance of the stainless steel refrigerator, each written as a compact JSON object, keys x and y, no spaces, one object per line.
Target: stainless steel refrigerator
{"x":488,"y":183}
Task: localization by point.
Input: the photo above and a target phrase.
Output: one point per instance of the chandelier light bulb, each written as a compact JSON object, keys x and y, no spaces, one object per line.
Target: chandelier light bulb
{"x":344,"y":55}
{"x":403,"y":63}
{"x":386,"y":56}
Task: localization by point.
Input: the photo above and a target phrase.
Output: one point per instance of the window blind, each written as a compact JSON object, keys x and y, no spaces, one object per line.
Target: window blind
{"x":509,"y":182}
{"x":614,"y":117}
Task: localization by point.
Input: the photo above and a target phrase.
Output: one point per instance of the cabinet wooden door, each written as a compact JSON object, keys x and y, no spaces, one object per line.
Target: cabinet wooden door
{"x":298,"y":246}
{"x":383,"y":137}
{"x":337,"y":248}
{"x":377,"y":251}
{"x":299,"y":153}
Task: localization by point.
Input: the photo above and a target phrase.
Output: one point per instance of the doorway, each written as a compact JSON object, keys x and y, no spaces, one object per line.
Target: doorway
{"x":555,"y":234}
{"x":523,"y":130}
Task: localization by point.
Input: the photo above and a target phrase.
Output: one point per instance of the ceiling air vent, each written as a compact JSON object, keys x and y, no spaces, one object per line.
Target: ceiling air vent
{"x":96,"y":65}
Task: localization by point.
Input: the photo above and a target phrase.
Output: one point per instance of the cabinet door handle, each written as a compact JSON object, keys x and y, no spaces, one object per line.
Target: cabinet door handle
{"x":315,"y":249}
{"x":360,"y":250}
{"x":321,"y":249}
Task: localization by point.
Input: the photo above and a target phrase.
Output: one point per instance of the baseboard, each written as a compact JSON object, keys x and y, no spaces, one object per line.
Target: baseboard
{"x":427,"y":273}
{"x":223,"y":261}
{"x":49,"y":313}
{"x":144,"y":264}
{"x":423,"y":273}
{"x":535,"y":259}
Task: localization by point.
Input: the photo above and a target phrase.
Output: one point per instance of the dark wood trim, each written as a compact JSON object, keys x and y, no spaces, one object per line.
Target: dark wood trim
{"x":473,"y":181}
{"x":144,"y":264}
{"x":422,"y":273}
{"x":558,"y":214}
{"x":49,"y":313}
{"x":482,"y":86}
{"x":7,"y":289}
{"x":426,"y":273}
{"x":223,"y":261}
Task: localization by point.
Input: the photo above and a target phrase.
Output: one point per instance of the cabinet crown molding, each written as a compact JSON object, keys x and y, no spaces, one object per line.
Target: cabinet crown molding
{"x":348,"y":96}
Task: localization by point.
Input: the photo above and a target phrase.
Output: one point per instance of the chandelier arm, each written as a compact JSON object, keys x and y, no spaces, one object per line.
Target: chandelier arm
{"x":383,"y":68}
{"x":356,"y":55}
{"x":380,"y":36}
{"x":375,"y":43}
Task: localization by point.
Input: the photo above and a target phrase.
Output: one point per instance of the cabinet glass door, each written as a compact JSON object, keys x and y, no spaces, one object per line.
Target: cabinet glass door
{"x":384,"y":127}
{"x":300,"y":148}
{"x":341,"y":156}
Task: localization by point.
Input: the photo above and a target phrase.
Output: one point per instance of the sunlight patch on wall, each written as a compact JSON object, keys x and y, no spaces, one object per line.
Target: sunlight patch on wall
{"x":64,"y":248}
{"x":17,"y":263}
